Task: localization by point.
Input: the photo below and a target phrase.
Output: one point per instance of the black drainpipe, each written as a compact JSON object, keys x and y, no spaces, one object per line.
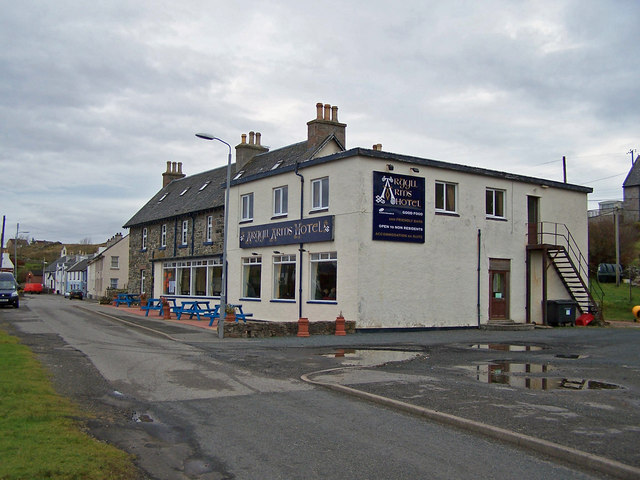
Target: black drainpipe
{"x":479,"y":248}
{"x":301,"y":247}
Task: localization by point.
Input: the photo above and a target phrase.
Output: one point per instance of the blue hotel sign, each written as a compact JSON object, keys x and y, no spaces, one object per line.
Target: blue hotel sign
{"x":398,"y":208}
{"x":309,"y":230}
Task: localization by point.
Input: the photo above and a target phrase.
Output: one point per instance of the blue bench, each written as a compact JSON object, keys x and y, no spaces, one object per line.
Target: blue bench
{"x":152,"y":304}
{"x":239,"y":313}
{"x":128,"y":298}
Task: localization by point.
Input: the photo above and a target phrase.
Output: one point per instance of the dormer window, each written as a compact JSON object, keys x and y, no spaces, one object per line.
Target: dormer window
{"x":278,"y":163}
{"x":238,"y":175}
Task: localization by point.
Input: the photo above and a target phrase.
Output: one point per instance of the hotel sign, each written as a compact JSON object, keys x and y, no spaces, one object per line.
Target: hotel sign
{"x":309,"y":230}
{"x":398,"y":208}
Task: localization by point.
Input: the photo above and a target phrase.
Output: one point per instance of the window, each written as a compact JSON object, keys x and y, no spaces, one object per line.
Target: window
{"x":192,"y":277}
{"x":210,"y":228}
{"x":284,"y":277}
{"x":184,"y":191}
{"x":142,"y":282}
{"x":215,"y":280}
{"x":200,"y":280}
{"x":144,"y":238}
{"x":495,"y":203}
{"x":205,"y":185}
{"x":324,"y":276}
{"x":163,"y":236}
{"x":320,"y":194}
{"x":115,"y":262}
{"x":446,"y":197}
{"x":247,"y":207}
{"x":185,"y":232}
{"x":113,"y":283}
{"x":251,"y":277}
{"x":280,"y":200}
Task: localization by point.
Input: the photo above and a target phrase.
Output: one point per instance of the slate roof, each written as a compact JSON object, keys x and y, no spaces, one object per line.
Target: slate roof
{"x":184,"y":196}
{"x":172,"y":202}
{"x":633,"y":177}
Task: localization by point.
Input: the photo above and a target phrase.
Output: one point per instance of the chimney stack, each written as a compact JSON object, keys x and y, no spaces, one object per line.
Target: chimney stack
{"x":325,"y":124}
{"x":246,"y":151}
{"x":174,"y":172}
{"x":378,"y":147}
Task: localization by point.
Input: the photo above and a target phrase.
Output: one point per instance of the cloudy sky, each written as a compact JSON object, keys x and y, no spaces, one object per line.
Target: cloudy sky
{"x":96,"y":97}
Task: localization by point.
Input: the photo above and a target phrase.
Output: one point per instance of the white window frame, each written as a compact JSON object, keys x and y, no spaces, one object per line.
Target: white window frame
{"x":283,"y":260}
{"x":494,"y":202}
{"x":248,"y":262}
{"x":163,"y":236}
{"x":280,"y":201}
{"x":115,"y":262}
{"x":144,"y":238}
{"x":210,"y":228}
{"x":320,"y":197}
{"x":113,"y":283}
{"x":246,"y":203}
{"x":185,"y":233}
{"x":142,"y":281}
{"x":445,"y":190}
{"x":314,"y":260}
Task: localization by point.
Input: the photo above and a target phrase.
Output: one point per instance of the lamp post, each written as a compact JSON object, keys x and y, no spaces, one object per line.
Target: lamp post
{"x":15,"y":252}
{"x":223,"y":289}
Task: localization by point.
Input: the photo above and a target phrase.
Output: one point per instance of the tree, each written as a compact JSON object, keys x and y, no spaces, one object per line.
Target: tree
{"x":602,"y":241}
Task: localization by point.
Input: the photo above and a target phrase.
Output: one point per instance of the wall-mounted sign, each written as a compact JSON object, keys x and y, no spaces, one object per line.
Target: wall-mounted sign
{"x":309,"y":230}
{"x":398,"y":208}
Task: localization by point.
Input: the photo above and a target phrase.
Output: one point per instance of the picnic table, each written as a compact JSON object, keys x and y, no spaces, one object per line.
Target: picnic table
{"x":194,"y":307}
{"x":128,"y":298}
{"x":238,"y":310}
{"x":153,"y":304}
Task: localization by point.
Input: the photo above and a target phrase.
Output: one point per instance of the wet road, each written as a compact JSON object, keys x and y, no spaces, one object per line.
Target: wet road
{"x":192,"y":406}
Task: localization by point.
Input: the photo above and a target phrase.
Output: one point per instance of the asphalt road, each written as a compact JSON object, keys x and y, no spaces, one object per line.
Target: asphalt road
{"x":192,"y":406}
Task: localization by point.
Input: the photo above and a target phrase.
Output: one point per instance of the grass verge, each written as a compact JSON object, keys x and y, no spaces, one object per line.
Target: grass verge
{"x":39,"y":437}
{"x":618,"y":301}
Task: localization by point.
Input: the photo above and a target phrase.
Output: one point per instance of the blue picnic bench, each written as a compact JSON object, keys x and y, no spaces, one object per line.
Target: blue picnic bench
{"x":194,"y":307}
{"x":128,"y":298}
{"x":154,"y":304}
{"x":236,"y":306}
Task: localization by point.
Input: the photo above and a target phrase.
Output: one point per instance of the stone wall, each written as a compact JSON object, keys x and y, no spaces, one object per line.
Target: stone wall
{"x":255,"y":329}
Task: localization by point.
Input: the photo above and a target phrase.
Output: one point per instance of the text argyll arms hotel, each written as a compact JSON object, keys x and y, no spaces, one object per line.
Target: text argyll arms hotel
{"x":285,"y":233}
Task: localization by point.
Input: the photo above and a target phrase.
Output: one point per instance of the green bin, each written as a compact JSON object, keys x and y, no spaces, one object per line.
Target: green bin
{"x":560,"y":312}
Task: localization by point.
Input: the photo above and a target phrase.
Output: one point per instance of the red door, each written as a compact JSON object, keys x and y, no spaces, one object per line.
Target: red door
{"x":499,"y":294}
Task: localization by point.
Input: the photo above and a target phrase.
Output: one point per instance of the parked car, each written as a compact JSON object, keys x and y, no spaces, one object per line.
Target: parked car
{"x":9,"y":290}
{"x":33,"y":288}
{"x":607,"y":272}
{"x":76,"y":294}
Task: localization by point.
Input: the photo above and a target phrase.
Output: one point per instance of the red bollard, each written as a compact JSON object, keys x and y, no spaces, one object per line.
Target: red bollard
{"x":303,"y":327}
{"x":340,"y":325}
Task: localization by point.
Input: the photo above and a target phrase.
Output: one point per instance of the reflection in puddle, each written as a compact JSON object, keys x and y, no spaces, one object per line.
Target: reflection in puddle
{"x":505,"y":347}
{"x":529,"y":376}
{"x":370,"y":358}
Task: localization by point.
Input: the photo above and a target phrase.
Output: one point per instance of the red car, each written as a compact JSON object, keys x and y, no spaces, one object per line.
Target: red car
{"x":33,"y":288}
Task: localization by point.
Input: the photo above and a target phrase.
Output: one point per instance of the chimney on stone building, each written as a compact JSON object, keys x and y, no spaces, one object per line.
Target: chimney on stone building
{"x":326,"y":123}
{"x":174,"y":172}
{"x":246,"y":151}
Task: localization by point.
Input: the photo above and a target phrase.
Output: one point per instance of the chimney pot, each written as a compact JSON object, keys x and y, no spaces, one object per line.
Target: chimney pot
{"x":174,"y":168}
{"x":179,"y":167}
{"x":327,"y":109}
{"x":251,"y":135}
{"x":244,"y":138}
{"x":258,"y":135}
{"x":168,"y":167}
{"x":334,"y":114}
{"x":319,"y":111}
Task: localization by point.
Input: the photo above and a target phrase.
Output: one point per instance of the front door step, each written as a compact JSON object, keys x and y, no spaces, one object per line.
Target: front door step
{"x":495,"y":324}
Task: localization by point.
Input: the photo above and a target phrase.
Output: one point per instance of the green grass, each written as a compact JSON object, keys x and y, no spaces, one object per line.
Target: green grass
{"x":39,"y":438}
{"x":618,"y":301}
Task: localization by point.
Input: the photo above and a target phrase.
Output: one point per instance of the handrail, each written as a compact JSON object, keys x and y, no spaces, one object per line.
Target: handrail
{"x":558,"y":234}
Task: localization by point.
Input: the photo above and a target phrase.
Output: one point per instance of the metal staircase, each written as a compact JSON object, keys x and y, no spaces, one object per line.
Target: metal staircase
{"x":572,"y":267}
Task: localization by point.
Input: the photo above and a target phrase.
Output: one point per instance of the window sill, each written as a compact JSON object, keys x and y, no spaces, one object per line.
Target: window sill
{"x":282,"y":300}
{"x":497,"y":219}
{"x":207,"y":243}
{"x":183,"y":246}
{"x":318,"y":210}
{"x":250,"y":299}
{"x":323,"y":302}
{"x":282,"y":215}
{"x":162,"y":248}
{"x":447,"y":214}
{"x":247,"y":220}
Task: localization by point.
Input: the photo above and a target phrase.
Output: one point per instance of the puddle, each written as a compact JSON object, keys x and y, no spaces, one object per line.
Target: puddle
{"x":505,"y":347}
{"x":530,"y":376}
{"x":370,"y":358}
{"x":571,"y":356}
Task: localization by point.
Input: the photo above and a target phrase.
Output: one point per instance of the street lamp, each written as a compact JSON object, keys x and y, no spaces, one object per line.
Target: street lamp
{"x":223,"y":289}
{"x":15,"y":251}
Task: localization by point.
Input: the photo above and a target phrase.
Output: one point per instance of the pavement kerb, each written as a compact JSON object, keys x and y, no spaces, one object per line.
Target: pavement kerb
{"x":567,"y":454}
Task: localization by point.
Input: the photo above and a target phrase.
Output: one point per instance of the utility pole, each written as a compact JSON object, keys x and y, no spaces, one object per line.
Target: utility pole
{"x":616,"y":216}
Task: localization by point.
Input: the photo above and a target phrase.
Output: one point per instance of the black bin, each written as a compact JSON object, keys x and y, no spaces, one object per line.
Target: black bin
{"x":560,"y":312}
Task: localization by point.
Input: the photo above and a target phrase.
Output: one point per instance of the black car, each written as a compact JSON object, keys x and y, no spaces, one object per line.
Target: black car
{"x":76,"y":294}
{"x":8,"y":290}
